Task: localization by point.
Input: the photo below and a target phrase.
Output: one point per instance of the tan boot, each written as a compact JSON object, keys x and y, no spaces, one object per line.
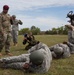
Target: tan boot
{"x":10,"y":54}
{"x":0,"y":54}
{"x":16,"y":44}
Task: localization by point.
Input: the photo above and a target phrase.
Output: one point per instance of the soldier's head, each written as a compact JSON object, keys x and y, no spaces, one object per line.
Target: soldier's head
{"x":13,"y":16}
{"x":37,"y":57}
{"x":5,"y":8}
{"x":58,"y":51}
{"x":25,"y":35}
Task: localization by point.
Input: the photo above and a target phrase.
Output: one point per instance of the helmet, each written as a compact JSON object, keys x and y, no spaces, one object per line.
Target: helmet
{"x":14,"y":16}
{"x":37,"y":57}
{"x":25,"y":35}
{"x":5,"y":7}
{"x":58,"y":50}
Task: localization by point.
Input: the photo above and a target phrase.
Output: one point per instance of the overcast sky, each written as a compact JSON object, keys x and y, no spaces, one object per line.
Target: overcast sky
{"x":44,"y":14}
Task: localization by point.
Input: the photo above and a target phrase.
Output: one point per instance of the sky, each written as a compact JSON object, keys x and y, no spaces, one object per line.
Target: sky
{"x":44,"y":14}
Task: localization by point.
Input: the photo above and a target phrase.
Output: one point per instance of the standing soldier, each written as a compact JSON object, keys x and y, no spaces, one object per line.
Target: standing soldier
{"x":70,"y":33}
{"x":15,"y":28}
{"x":70,"y":27}
{"x":5,"y":30}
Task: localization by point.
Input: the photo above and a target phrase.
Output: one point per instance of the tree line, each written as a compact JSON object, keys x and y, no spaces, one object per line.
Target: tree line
{"x":36,"y":31}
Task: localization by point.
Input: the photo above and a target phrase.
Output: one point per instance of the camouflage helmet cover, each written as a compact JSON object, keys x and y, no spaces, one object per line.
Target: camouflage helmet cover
{"x":58,"y":50}
{"x":14,"y":16}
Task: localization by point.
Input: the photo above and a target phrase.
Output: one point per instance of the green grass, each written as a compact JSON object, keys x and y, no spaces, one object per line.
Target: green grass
{"x":58,"y":67}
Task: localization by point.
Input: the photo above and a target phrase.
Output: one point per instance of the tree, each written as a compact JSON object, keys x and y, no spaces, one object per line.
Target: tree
{"x":35,"y":30}
{"x":24,"y":30}
{"x":33,"y":27}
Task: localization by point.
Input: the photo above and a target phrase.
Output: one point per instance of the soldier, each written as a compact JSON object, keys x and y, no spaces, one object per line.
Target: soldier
{"x":37,"y":60}
{"x":15,"y":28}
{"x":5,"y":30}
{"x":60,"y":51}
{"x":30,"y":39}
{"x":70,"y":27}
{"x":70,"y":33}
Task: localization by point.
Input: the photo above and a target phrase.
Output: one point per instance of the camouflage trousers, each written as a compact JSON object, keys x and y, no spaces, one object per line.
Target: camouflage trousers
{"x":15,"y":62}
{"x":5,"y":41}
{"x":15,"y":36}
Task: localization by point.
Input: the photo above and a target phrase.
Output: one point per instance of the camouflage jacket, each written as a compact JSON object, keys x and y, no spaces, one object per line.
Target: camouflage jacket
{"x":15,"y":24}
{"x":5,"y":24}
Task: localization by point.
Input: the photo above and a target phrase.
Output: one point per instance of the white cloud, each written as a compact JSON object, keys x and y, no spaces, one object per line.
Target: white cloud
{"x":31,"y":4}
{"x":43,"y":22}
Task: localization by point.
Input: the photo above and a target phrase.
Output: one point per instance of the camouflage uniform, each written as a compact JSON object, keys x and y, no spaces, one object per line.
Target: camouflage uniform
{"x":5,"y":27}
{"x":71,"y":46}
{"x":30,"y":39}
{"x":71,"y":36}
{"x":17,"y":62}
{"x":15,"y":29}
{"x":64,"y":47}
{"x":70,"y":42}
{"x":70,"y":33}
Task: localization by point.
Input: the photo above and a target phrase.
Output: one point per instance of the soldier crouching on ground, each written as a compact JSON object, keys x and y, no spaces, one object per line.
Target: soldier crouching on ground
{"x":30,"y":39}
{"x":60,"y":50}
{"x":37,"y":60}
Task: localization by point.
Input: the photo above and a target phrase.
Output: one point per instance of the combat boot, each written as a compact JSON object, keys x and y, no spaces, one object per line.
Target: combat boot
{"x":10,"y":54}
{"x":0,"y":54}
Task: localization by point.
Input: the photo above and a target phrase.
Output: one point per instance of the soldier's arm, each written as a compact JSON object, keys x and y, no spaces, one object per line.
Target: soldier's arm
{"x":1,"y":27}
{"x":69,"y":27}
{"x":20,"y":22}
{"x":24,"y":41}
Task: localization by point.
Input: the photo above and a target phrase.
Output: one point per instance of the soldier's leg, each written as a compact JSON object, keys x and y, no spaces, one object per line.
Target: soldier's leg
{"x":13,"y":35}
{"x":13,"y":59}
{"x":7,"y":43}
{"x":71,"y":46}
{"x":27,"y":47}
{"x":1,"y":47}
{"x":16,"y":37}
{"x":17,"y":65}
{"x":2,"y":42}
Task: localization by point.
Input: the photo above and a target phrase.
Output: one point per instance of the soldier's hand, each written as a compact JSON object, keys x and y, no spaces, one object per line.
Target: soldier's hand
{"x":69,"y":27}
{"x":64,"y":42}
{"x":20,"y":22}
{"x":26,"y":66}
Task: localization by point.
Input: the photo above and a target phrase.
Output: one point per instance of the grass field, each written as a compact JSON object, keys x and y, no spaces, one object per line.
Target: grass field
{"x":58,"y":67}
